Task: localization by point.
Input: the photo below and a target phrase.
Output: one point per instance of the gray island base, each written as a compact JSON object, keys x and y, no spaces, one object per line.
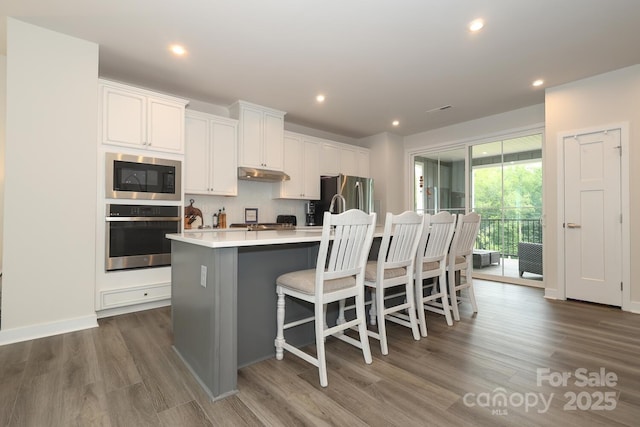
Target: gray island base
{"x":224,"y":302}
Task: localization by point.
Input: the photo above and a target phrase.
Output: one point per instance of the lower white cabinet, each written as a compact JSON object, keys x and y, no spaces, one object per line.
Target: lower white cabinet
{"x":134,"y":295}
{"x":211,"y":165}
{"x":301,"y":154}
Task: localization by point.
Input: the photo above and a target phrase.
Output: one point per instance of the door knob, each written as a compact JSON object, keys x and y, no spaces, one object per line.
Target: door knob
{"x":572,"y":225}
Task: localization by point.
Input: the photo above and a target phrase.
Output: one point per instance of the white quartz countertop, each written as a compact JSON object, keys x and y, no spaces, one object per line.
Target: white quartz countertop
{"x":229,"y":238}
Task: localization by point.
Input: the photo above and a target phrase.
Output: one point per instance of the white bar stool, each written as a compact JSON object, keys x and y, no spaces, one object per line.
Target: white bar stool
{"x":394,"y":267}
{"x":431,"y":263}
{"x":461,"y":259}
{"x":339,"y":274}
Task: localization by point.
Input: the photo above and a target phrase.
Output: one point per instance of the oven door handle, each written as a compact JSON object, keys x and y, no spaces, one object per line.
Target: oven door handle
{"x":142,"y":218}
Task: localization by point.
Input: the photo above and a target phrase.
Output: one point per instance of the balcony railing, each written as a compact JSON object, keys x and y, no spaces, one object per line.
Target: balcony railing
{"x":503,"y":235}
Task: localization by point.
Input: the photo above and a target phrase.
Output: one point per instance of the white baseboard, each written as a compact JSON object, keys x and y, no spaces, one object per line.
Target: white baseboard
{"x":132,"y":308}
{"x":551,"y":293}
{"x":632,"y":306}
{"x":26,"y":333}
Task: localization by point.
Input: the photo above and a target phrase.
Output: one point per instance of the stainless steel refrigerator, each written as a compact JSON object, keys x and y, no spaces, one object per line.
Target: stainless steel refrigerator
{"x":357,"y":193}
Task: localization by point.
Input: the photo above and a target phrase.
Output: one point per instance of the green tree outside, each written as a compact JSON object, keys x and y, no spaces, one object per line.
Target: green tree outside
{"x":509,"y":199}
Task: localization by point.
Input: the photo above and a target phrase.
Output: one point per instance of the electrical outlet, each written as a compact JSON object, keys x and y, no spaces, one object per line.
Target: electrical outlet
{"x":203,"y":276}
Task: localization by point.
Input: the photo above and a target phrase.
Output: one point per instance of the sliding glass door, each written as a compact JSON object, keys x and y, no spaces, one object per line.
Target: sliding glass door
{"x":506,"y":190}
{"x":440,"y":181}
{"x":502,"y":181}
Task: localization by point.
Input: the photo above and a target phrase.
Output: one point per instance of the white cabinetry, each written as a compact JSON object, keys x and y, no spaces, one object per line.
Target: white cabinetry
{"x":134,"y":295}
{"x":330,"y":159}
{"x":141,"y":119}
{"x":211,"y":165}
{"x":337,"y":158}
{"x":349,"y":161}
{"x":301,"y":155}
{"x":260,"y":136}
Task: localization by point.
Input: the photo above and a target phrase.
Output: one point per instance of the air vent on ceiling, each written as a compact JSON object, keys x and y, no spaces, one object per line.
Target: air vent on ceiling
{"x":444,"y":107}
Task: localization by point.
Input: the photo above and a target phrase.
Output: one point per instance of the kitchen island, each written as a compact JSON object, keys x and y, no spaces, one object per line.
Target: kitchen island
{"x":224,"y":301}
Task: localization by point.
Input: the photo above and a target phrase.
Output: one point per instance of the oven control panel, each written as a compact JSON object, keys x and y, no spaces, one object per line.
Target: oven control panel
{"x":142,"y":211}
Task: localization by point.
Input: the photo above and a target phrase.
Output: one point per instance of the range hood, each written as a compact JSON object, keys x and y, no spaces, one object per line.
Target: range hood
{"x":264,"y":175}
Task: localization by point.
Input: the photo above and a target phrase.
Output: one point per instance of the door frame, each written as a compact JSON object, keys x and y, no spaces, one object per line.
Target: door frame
{"x":624,"y":199}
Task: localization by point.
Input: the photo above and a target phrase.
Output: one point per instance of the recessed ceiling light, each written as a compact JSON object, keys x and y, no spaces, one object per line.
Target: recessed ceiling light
{"x":320,"y":98}
{"x":476,"y":25}
{"x":538,"y":82}
{"x":177,"y":49}
{"x":395,"y":123}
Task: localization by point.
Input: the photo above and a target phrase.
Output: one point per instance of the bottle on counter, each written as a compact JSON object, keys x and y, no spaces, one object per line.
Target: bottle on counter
{"x":215,"y":222}
{"x":223,"y":220}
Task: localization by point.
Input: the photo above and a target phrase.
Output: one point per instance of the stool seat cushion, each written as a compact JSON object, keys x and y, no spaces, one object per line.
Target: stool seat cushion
{"x":371,"y":273}
{"x":305,"y":281}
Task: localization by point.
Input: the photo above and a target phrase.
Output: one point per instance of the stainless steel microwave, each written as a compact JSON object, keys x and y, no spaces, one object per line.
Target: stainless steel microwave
{"x":147,"y":178}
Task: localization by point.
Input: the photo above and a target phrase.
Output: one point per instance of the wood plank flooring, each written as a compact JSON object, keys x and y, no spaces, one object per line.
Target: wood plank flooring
{"x":483,"y":371}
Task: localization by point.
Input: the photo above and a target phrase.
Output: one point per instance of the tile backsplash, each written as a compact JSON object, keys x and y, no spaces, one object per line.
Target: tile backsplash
{"x":259,"y":195}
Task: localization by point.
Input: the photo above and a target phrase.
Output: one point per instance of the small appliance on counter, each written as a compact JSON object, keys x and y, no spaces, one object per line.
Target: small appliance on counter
{"x":191,"y":214}
{"x":283,"y":222}
{"x":310,"y":213}
{"x":287,"y":219}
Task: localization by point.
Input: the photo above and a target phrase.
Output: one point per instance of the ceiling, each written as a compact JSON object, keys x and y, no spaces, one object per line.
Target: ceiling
{"x":375,"y":60}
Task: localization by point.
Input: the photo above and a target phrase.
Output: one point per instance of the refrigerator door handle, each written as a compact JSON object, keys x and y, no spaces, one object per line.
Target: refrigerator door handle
{"x":360,"y":195}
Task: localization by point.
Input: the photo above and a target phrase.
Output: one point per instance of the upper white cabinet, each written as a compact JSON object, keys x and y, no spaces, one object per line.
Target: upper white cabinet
{"x":260,"y":136}
{"x":337,"y":158}
{"x":142,"y":119}
{"x":301,"y":155}
{"x":349,"y":161}
{"x":330,"y":159}
{"x":210,"y":161}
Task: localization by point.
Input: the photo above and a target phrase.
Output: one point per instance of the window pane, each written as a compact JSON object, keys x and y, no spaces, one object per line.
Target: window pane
{"x":443,"y":181}
{"x":507,"y":192}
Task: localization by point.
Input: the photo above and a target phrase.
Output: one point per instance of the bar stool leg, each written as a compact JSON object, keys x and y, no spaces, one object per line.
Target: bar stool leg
{"x":279,"y":341}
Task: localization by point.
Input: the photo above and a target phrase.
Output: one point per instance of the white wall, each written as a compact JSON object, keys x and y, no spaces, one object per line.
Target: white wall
{"x":3,"y":111}
{"x":597,"y":101}
{"x":50,"y":192}
{"x":478,"y":129}
{"x":387,"y":170}
{"x":250,"y":195}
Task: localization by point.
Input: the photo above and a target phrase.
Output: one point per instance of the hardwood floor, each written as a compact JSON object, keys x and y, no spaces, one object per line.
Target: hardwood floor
{"x":125,"y":373}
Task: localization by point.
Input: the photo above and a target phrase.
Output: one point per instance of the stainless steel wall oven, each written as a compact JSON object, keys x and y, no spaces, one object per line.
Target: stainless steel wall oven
{"x":135,"y":235}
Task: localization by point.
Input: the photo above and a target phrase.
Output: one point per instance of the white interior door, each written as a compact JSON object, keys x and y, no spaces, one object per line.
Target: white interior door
{"x":593,"y":222}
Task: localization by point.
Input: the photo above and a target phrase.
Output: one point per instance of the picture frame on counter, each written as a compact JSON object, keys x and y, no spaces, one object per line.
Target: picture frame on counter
{"x":251,"y":215}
